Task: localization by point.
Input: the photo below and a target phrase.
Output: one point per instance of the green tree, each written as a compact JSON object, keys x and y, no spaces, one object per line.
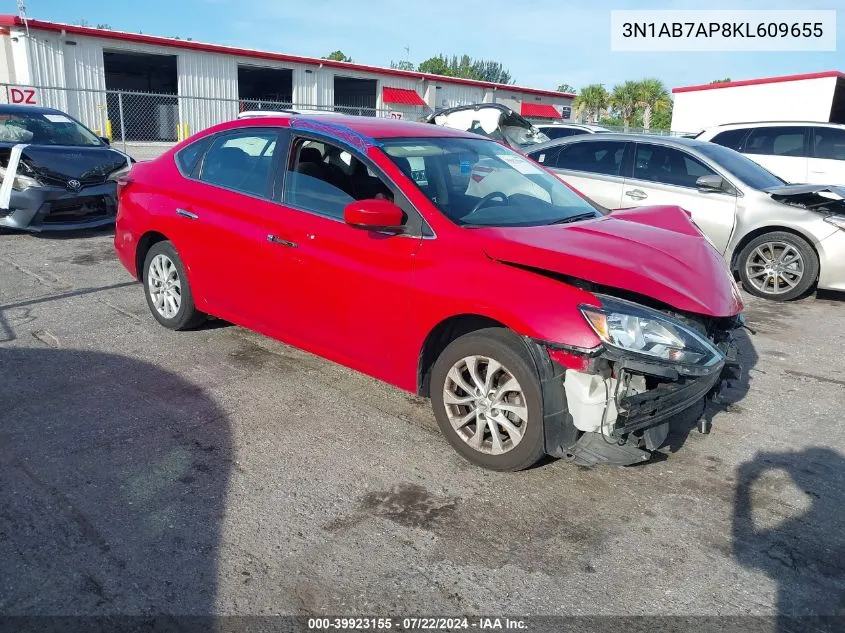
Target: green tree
{"x":652,"y":97}
{"x":438,"y":65}
{"x":566,"y":88}
{"x":488,"y":70}
{"x":592,"y":101}
{"x":624,"y":100}
{"x":402,"y":65}
{"x":662,"y":119}
{"x":721,"y":81}
{"x":337,"y":56}
{"x":465,"y":67}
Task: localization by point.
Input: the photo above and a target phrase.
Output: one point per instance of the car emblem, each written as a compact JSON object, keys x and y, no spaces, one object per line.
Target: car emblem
{"x":74,"y":185}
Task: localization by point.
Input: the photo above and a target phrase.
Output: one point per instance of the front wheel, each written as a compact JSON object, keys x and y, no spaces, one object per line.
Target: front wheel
{"x":166,"y":288}
{"x":779,"y":266}
{"x":487,"y":400}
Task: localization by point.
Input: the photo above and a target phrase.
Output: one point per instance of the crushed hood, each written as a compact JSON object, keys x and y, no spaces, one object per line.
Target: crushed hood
{"x":493,"y":120}
{"x":653,"y":251}
{"x":55,"y":165}
{"x":821,"y":198}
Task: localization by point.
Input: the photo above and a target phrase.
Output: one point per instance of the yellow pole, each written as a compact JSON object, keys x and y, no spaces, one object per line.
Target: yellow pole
{"x":108,"y":129}
{"x":187,"y":133}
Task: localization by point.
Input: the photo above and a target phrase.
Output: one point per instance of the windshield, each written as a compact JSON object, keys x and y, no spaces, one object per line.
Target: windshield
{"x":45,"y":129}
{"x":520,"y":136}
{"x":475,"y":182}
{"x":743,"y":168}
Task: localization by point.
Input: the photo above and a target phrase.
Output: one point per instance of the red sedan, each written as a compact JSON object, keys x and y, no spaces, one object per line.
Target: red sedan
{"x":446,"y":264}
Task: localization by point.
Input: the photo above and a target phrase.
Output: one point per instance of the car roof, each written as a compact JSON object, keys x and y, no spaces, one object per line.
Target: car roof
{"x":773,"y":123}
{"x":14,"y":108}
{"x":580,"y":126}
{"x":676,"y":141}
{"x":362,"y":128}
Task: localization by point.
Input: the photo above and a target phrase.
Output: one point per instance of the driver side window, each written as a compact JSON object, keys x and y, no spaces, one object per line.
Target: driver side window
{"x":324,"y":178}
{"x":241,"y":161}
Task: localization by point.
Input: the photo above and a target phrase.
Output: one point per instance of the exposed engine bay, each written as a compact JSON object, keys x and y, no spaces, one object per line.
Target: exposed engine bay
{"x":617,"y":403}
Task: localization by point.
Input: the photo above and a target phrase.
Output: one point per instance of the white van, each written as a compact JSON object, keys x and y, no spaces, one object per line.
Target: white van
{"x":797,"y":151}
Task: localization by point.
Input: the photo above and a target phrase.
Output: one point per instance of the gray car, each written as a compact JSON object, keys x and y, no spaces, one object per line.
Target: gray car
{"x":780,"y":239}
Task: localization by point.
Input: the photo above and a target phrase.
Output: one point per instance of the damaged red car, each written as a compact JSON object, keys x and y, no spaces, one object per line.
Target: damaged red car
{"x":447,"y":265}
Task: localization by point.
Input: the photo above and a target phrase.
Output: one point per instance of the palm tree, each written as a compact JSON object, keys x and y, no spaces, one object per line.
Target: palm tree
{"x":653,"y":97}
{"x":625,"y":99}
{"x":592,"y":100}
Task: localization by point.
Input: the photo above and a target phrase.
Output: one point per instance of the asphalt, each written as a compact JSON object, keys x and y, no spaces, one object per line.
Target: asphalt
{"x":144,"y":471}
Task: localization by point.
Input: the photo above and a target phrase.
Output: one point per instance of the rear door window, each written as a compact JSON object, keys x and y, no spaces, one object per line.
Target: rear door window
{"x":828,"y":142}
{"x":241,"y":161}
{"x":596,"y":157}
{"x":731,"y":138}
{"x":776,"y":141}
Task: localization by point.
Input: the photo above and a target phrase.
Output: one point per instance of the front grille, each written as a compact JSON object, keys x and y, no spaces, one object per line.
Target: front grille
{"x":81,"y":209}
{"x":61,"y":181}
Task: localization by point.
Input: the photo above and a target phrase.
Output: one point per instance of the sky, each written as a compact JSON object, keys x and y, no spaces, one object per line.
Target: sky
{"x":543,"y":43}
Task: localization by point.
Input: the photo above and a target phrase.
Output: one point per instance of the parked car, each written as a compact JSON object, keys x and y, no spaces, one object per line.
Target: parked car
{"x":797,"y":151}
{"x":56,"y":173}
{"x":492,"y":120}
{"x":523,"y":312}
{"x":780,"y":239}
{"x":561,"y":130}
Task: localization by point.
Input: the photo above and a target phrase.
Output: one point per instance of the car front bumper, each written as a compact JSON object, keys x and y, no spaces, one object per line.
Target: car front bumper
{"x":57,"y":209}
{"x":615,"y":425}
{"x":832,"y":261}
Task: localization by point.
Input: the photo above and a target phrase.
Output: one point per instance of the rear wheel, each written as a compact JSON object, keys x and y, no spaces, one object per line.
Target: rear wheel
{"x":779,"y":266}
{"x":167,"y":290}
{"x":487,"y":400}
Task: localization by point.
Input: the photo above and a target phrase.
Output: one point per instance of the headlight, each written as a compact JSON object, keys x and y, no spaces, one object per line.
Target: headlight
{"x":634,"y":328}
{"x":20,"y":182}
{"x":117,"y":173}
{"x":836,"y":220}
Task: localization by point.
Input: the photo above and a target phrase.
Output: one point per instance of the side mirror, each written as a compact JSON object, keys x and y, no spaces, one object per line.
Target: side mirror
{"x":374,"y":215}
{"x":106,"y":140}
{"x":710,"y":183}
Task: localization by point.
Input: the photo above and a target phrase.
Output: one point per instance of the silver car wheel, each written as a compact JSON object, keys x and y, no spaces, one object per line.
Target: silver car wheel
{"x":485,"y":405}
{"x":774,"y":267}
{"x":164,"y":286}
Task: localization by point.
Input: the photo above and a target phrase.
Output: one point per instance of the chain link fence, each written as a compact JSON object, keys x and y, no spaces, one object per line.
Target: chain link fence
{"x":144,"y":125}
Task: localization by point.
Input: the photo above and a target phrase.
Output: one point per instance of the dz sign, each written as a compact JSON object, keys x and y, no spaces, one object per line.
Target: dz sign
{"x":24,"y":96}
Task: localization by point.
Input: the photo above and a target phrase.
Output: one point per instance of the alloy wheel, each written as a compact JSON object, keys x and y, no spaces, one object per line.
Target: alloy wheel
{"x":774,"y":267}
{"x":485,"y":404}
{"x":165,"y":286}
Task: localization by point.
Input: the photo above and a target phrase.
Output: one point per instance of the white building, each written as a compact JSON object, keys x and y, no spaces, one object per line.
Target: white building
{"x":82,"y":70}
{"x":811,"y":97}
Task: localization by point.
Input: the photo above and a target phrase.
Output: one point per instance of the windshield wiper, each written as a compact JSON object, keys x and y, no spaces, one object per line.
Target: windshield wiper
{"x":575,"y":218}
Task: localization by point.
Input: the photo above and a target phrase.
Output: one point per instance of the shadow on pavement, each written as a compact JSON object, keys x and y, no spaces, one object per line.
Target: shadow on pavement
{"x":789,"y":513}
{"x":113,"y":481}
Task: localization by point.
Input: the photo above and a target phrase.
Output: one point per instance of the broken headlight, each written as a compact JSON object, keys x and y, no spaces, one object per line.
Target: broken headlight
{"x":120,"y":171}
{"x":640,"y":330}
{"x":20,"y":182}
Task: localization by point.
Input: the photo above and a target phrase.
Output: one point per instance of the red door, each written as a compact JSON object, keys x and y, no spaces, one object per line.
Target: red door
{"x":222,"y":215}
{"x":348,"y":294}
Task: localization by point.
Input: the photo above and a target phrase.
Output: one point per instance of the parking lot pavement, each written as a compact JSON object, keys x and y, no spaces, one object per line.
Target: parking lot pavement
{"x":217,"y":471}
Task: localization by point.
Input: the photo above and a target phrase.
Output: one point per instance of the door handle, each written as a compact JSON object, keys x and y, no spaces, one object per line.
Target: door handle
{"x":637,"y":194}
{"x":275,"y":239}
{"x":187,"y":214}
